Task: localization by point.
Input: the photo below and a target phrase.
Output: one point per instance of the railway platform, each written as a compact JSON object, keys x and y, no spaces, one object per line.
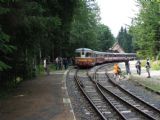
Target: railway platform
{"x":152,"y":83}
{"x":155,"y":74}
{"x":43,"y":98}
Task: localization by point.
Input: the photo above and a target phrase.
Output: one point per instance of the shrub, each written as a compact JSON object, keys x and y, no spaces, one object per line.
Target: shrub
{"x":155,"y":65}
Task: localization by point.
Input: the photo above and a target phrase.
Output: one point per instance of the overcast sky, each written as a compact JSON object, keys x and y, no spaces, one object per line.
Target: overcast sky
{"x":117,"y":13}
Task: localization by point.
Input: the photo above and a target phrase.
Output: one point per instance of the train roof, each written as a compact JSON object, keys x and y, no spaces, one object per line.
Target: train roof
{"x":98,"y":52}
{"x":125,"y":53}
{"x":85,"y":49}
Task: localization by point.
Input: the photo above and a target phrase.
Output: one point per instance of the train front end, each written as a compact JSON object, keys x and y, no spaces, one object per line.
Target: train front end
{"x":85,"y":58}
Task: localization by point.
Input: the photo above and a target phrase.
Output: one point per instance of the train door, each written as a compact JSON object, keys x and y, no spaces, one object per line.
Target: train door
{"x":82,"y":53}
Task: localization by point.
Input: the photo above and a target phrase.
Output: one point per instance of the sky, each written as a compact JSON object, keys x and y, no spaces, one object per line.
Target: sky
{"x":117,"y":13}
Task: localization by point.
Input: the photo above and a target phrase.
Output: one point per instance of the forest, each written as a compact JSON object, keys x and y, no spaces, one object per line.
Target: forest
{"x":145,"y":29}
{"x":36,"y":29}
{"x":31,"y":30}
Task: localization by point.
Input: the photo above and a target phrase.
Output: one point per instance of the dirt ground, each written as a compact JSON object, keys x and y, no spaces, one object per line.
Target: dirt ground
{"x":37,"y":99}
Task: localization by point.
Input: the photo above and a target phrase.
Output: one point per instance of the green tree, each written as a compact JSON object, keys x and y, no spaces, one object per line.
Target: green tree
{"x":125,"y":40}
{"x":37,"y":29}
{"x":145,"y":29}
{"x":5,"y":49}
{"x":84,"y":25}
{"x":46,"y":28}
{"x":105,"y":37}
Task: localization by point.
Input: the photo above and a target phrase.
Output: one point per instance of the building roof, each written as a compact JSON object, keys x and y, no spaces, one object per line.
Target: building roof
{"x":117,"y":48}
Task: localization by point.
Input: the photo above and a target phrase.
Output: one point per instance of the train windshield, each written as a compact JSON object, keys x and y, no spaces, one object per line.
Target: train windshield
{"x":77,"y":54}
{"x":88,"y":54}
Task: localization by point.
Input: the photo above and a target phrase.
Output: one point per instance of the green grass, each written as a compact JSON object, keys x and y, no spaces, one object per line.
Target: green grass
{"x":143,"y":63}
{"x":149,"y":82}
{"x":40,"y":69}
{"x":52,"y":67}
{"x":155,"y":65}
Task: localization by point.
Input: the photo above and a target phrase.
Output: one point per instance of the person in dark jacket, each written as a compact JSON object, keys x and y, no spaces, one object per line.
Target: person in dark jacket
{"x":138,"y":67}
{"x":65,"y":63}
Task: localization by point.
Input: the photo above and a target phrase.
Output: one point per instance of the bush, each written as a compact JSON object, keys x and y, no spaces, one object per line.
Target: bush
{"x":40,"y":69}
{"x":52,"y":67}
{"x":143,"y":63}
{"x":155,"y":65}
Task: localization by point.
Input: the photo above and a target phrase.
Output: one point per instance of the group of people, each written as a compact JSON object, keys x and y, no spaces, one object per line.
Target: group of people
{"x":61,"y":63}
{"x":147,"y":66}
{"x":117,"y":69}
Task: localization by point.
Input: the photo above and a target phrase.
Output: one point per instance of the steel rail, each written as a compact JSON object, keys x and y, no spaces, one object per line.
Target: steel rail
{"x":135,"y":97}
{"x":122,"y":116}
{"x":87,"y":97}
{"x":119,"y":113}
{"x":98,"y":84}
{"x":145,"y":114}
{"x":128,"y":92}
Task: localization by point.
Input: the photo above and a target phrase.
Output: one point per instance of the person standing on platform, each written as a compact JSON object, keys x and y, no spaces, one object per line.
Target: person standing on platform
{"x":57,"y":63}
{"x":60,"y":64}
{"x":148,"y":66}
{"x":128,"y":71}
{"x":46,"y":65}
{"x":138,"y":67}
{"x":65,"y":63}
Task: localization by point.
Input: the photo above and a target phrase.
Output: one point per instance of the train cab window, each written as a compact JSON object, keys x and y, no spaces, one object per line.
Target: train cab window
{"x":88,"y":55}
{"x":82,"y":51}
{"x":77,"y":54}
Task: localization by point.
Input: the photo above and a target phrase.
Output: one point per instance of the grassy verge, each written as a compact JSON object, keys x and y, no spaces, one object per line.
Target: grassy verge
{"x":153,"y":84}
{"x":52,"y":67}
{"x":155,"y":65}
{"x":41,"y":71}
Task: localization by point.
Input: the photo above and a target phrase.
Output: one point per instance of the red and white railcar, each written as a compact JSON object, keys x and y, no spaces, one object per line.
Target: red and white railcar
{"x":86,"y":57}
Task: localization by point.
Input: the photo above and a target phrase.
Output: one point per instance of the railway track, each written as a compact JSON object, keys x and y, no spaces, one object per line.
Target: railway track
{"x":96,"y":99}
{"x":82,"y":108}
{"x":119,"y":96}
{"x":111,"y":101}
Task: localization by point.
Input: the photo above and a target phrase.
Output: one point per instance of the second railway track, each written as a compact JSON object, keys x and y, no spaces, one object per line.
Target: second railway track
{"x":120,"y":96}
{"x":111,"y":101}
